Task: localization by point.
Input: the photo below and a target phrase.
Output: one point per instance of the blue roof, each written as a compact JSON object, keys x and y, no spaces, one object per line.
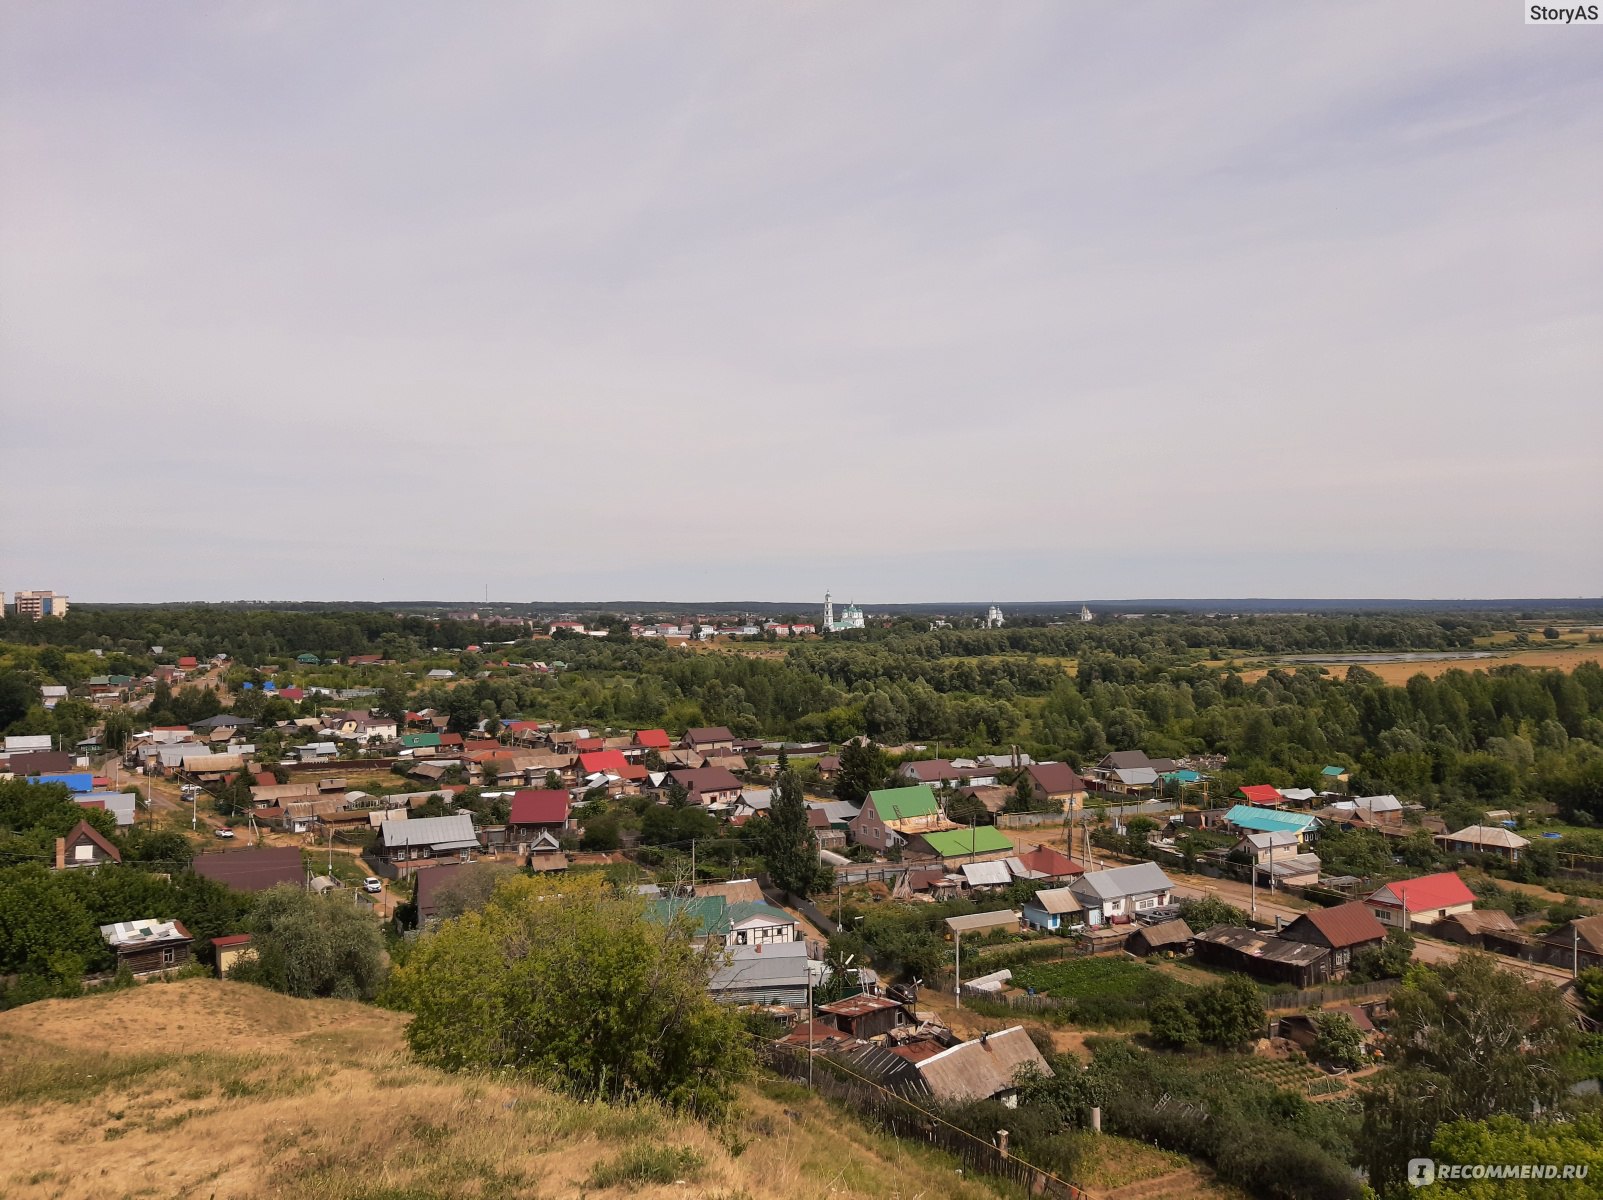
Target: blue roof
{"x":1264,"y":820}
{"x":248,"y":686}
{"x":77,"y":781}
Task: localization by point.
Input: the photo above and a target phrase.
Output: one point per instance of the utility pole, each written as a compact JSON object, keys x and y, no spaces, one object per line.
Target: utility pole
{"x":692,"y":865}
{"x":957,"y":967}
{"x":1575,"y":951}
{"x":1252,"y":876}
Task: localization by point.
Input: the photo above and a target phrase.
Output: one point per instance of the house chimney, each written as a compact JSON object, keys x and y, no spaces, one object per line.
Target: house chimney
{"x":61,"y":854}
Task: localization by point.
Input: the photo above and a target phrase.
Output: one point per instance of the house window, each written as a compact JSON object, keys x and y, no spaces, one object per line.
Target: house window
{"x":168,"y":956}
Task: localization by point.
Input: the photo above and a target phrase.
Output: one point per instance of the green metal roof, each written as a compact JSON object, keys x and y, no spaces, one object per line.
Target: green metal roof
{"x":1333,"y":771}
{"x":413,"y":741}
{"x":955,"y":843}
{"x":1183,"y":776}
{"x":895,"y":804}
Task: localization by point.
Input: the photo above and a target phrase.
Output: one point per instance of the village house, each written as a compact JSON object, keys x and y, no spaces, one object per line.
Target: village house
{"x":652,"y":739}
{"x":986,"y":1068}
{"x":1423,"y":901}
{"x":85,"y":847}
{"x":766,"y":973}
{"x":405,"y":846}
{"x":711,"y":786}
{"x":146,"y":948}
{"x":1260,"y":794}
{"x":719,"y":921}
{"x":1052,"y":909}
{"x":1343,"y":930}
{"x":1115,"y":895}
{"x":890,"y":816}
{"x":1056,"y":785}
{"x":1166,"y":937}
{"x":1263,"y":955}
{"x":1250,"y":818}
{"x":938,"y":771}
{"x":1486,"y":839}
{"x":1485,"y":929}
{"x":708,"y":738}
{"x":540,"y":816}
{"x":1047,"y":862}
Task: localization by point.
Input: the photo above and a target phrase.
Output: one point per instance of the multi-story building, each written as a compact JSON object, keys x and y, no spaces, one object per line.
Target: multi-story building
{"x":37,"y":605}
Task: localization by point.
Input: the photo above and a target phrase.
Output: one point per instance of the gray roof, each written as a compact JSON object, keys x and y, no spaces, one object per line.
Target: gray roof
{"x":969,"y":922}
{"x":987,"y":874}
{"x":980,"y":1069}
{"x":1135,"y":880}
{"x":840,"y":812}
{"x":1273,"y":839}
{"x":443,"y":833}
{"x":777,"y":964}
{"x":1137,"y":776}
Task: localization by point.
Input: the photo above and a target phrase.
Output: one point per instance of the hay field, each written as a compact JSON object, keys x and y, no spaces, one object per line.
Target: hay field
{"x":205,"y":1089}
{"x":1565,"y":659}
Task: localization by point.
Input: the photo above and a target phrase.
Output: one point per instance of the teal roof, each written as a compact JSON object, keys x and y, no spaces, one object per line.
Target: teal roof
{"x":307,"y":658}
{"x":895,"y":804}
{"x":1333,"y":771}
{"x":413,"y":741}
{"x":1264,"y":820}
{"x":745,"y":910}
{"x":1183,"y":776}
{"x":704,"y":914}
{"x":956,"y":843}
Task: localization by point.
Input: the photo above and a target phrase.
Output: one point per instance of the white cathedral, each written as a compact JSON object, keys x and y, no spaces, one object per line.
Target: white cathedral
{"x":851,"y":617}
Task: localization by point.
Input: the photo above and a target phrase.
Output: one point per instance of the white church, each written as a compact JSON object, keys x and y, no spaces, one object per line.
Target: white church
{"x":851,"y":617}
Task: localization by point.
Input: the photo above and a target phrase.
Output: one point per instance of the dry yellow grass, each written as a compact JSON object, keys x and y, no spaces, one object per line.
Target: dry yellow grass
{"x":212,"y":1089}
{"x":1566,"y":659}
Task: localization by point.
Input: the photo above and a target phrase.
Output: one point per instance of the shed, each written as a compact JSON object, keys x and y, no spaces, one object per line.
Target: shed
{"x":1263,"y":955}
{"x":1166,"y":936}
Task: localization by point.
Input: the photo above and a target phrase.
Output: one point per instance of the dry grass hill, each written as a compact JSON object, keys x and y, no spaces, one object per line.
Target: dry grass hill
{"x":211,"y":1089}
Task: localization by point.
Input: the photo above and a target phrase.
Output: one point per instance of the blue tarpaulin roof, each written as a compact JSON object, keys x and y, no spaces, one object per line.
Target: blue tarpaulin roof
{"x":76,"y":781}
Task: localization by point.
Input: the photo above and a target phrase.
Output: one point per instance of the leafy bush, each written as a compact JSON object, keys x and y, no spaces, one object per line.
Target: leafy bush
{"x":642,"y":1163}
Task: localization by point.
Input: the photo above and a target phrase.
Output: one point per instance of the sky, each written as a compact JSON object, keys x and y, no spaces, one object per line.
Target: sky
{"x":906,"y":301}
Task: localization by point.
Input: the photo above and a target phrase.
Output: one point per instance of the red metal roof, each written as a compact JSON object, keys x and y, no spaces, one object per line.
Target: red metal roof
{"x":603,"y":760}
{"x":539,"y":806}
{"x":1052,"y":863}
{"x":1262,"y":793}
{"x":657,"y":739}
{"x":1425,"y":893}
{"x":589,"y":744}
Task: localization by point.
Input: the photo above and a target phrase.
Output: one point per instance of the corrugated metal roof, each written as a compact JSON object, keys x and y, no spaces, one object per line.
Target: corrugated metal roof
{"x":1113,"y":884}
{"x":987,"y":874}
{"x":453,"y":832}
{"x":969,"y":922}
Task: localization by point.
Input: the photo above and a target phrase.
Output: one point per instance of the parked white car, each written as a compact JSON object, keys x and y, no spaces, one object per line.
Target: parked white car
{"x":372,"y":884}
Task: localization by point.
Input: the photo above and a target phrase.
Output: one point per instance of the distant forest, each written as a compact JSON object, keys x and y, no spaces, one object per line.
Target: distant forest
{"x":1071,"y":691}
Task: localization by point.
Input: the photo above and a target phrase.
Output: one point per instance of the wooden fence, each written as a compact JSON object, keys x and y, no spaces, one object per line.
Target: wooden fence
{"x":906,"y":1118}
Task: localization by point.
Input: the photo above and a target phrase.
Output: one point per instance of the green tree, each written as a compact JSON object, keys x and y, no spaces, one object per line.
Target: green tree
{"x":863,"y":769}
{"x":308,"y":945}
{"x":1505,"y":1139}
{"x":1337,"y":1040}
{"x":1470,"y":1041}
{"x":787,"y":844}
{"x":1206,"y":912}
{"x":569,"y":983}
{"x":1172,"y":1023}
{"x":1386,"y":961}
{"x":1228,"y":1014}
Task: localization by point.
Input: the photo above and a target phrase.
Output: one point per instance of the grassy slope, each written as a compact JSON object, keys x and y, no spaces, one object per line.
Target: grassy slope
{"x":211,"y":1089}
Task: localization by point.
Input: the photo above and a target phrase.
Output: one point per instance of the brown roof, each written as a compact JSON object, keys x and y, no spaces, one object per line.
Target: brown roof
{"x":859,"y":1006}
{"x":85,"y":830}
{"x":429,"y":883}
{"x":40,"y":762}
{"x":1054,"y":864}
{"x":705,"y":779}
{"x":253,"y":870}
{"x":1165,"y":933}
{"x":1484,"y":920}
{"x":1056,"y":778}
{"x":1590,"y":930}
{"x":713,"y":733}
{"x":1345,"y":925}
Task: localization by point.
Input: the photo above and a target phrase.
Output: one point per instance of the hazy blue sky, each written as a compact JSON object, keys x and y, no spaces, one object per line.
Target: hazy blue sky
{"x":906,"y":300}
